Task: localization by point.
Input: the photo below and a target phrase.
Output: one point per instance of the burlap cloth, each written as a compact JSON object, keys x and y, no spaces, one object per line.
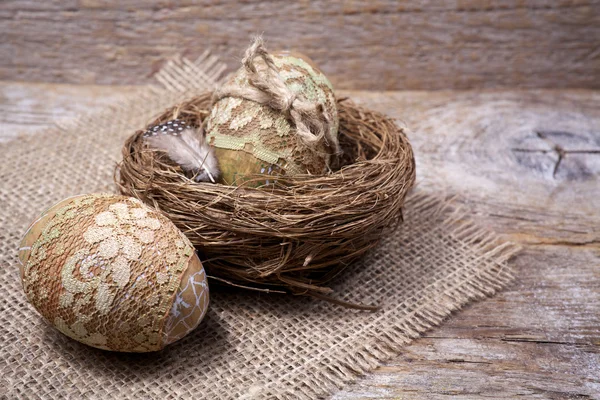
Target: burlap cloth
{"x":250,"y":345}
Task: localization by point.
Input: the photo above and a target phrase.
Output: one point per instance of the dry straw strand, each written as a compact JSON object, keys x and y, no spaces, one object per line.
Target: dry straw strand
{"x":297,"y":234}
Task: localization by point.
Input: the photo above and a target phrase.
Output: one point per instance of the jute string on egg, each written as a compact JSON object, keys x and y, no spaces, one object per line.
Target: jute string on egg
{"x":311,"y":120}
{"x":294,"y":236}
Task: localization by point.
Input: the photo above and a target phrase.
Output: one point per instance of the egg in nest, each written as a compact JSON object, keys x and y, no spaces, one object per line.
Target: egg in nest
{"x":251,"y":137}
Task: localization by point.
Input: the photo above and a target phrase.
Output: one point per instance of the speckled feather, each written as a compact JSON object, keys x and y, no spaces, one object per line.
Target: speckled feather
{"x":186,"y":146}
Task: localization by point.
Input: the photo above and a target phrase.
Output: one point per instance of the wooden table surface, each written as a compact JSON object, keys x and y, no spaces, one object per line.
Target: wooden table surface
{"x":527,"y":165}
{"x":360,"y":44}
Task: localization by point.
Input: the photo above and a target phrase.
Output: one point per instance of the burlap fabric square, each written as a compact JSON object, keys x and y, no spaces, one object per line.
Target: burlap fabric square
{"x":250,"y":345}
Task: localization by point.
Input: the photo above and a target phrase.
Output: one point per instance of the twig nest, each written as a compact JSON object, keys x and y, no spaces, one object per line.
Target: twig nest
{"x":297,"y":234}
{"x":113,"y":273}
{"x":276,"y":115}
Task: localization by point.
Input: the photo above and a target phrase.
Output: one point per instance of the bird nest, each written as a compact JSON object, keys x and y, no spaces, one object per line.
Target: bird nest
{"x":294,"y":235}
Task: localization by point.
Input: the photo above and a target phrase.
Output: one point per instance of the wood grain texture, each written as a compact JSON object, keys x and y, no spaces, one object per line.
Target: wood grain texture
{"x":27,"y":108}
{"x":499,"y":152}
{"x":540,"y":338}
{"x":374,"y":45}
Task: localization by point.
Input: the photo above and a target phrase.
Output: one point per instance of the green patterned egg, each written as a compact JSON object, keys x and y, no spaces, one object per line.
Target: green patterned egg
{"x":251,"y":138}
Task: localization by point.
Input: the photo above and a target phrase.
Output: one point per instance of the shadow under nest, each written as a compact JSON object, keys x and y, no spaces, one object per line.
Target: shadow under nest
{"x":295,"y":235}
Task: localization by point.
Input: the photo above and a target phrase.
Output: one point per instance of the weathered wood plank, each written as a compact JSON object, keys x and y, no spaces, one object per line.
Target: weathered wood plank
{"x":541,"y":337}
{"x":538,"y":339}
{"x":470,"y":142}
{"x":27,"y":108}
{"x":375,"y":45}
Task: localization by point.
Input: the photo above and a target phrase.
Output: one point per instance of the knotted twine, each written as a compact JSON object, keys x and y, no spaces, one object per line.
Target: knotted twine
{"x":268,"y":88}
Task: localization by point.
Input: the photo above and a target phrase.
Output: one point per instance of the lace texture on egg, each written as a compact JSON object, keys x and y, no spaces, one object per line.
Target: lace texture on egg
{"x":105,"y":271}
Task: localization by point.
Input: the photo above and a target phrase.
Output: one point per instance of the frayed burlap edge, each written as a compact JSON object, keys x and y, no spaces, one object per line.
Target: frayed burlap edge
{"x":392,"y":338}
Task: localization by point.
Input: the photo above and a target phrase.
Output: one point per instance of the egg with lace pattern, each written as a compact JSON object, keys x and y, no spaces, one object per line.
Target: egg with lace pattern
{"x":113,"y":273}
{"x":251,"y":138}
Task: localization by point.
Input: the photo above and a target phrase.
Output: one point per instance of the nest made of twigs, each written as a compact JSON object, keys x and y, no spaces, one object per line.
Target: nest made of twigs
{"x":296,"y":235}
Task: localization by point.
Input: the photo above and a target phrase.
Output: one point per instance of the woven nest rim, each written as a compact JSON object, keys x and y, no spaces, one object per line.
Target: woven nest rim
{"x":294,"y":236}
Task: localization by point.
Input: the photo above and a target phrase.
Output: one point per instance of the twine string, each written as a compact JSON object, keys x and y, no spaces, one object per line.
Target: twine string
{"x":267,"y":87}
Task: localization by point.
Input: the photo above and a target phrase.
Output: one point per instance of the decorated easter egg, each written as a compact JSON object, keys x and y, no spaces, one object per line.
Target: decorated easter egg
{"x":253,"y":137}
{"x":113,"y":273}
